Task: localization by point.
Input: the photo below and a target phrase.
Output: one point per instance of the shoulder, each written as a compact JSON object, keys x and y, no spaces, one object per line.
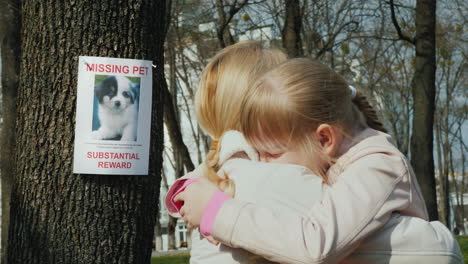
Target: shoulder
{"x":375,"y":152}
{"x":372,"y":141}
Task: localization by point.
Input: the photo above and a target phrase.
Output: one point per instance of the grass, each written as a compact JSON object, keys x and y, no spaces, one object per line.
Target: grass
{"x":174,"y":259}
{"x":463,"y":242}
{"x":184,"y":258}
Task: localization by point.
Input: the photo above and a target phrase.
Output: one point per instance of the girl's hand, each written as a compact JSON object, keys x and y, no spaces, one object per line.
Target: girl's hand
{"x":195,"y":197}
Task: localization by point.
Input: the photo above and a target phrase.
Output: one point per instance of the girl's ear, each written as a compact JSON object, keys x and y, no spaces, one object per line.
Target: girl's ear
{"x":329,"y":139}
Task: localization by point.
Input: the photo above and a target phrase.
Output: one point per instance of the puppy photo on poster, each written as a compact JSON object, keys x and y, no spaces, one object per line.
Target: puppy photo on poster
{"x":115,"y":108}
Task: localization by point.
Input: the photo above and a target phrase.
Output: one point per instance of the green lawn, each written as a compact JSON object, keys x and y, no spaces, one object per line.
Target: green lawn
{"x":463,"y":241}
{"x":176,"y":259}
{"x":184,"y":258}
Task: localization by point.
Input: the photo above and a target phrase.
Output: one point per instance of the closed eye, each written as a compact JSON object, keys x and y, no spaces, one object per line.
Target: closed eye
{"x":266,"y":157}
{"x":275,"y":156}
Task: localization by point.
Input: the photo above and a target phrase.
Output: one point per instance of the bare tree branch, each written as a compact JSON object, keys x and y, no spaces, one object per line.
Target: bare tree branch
{"x":174,"y":130}
{"x":397,"y":26}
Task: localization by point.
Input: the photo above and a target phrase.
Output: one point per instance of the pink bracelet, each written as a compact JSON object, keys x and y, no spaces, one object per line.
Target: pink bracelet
{"x":211,"y":210}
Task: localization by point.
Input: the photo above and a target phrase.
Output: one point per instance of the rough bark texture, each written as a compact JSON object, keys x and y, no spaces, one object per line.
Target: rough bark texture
{"x":171,"y":228}
{"x":158,"y":243}
{"x":10,"y":57}
{"x":423,"y":87}
{"x":292,"y":28}
{"x":443,"y":203}
{"x":58,"y":216}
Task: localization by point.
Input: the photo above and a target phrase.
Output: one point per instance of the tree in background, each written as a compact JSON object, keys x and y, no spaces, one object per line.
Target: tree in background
{"x":10,"y":24}
{"x":57,"y":216}
{"x":383,"y":70}
{"x":451,"y":101}
{"x":423,"y":90}
{"x":226,"y":12}
{"x":291,"y":33}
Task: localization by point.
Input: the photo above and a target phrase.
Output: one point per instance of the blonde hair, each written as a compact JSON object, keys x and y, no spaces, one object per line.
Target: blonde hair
{"x":293,"y":99}
{"x":218,"y":100}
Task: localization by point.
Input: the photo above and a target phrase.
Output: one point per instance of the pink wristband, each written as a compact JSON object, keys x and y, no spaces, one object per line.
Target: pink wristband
{"x":211,"y":210}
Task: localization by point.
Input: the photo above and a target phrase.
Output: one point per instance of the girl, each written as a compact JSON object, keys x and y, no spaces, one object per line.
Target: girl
{"x":303,"y":112}
{"x":218,"y":100}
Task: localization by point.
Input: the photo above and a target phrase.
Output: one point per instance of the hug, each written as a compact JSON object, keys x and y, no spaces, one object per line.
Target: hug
{"x":300,"y":170}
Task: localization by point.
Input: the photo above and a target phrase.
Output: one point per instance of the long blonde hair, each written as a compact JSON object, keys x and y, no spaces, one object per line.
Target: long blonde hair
{"x":223,"y":84}
{"x":291,"y":100}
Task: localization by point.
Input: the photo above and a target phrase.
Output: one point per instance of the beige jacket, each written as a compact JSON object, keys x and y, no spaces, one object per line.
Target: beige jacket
{"x":373,"y":183}
{"x":287,"y":188}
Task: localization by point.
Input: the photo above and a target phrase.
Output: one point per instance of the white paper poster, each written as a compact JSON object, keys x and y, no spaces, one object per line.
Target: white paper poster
{"x":113,"y":116}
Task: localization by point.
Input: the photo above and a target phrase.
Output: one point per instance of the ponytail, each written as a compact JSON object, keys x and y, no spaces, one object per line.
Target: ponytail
{"x":212,"y":166}
{"x":368,"y":111}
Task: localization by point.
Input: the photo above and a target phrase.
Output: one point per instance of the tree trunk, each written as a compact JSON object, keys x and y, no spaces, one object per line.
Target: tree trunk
{"x":223,"y":31}
{"x":58,"y":216}
{"x":10,"y":58}
{"x":462,"y":191}
{"x":173,"y":128}
{"x":158,"y":242}
{"x":292,"y":28}
{"x":171,"y":227}
{"x":442,"y":203}
{"x":423,"y":88}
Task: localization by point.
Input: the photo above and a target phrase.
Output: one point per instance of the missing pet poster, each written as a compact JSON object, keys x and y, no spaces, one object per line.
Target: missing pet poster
{"x":113,"y":116}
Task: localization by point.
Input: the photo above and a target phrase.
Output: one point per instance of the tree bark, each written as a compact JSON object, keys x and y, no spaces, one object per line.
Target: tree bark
{"x":423,"y":89}
{"x":292,"y":28}
{"x":443,"y":202}
{"x":158,"y":242}
{"x":58,"y":216}
{"x":463,"y":187}
{"x":171,"y":227}
{"x":10,"y":57}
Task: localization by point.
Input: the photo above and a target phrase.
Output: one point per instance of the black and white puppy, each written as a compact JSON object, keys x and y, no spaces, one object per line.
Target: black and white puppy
{"x":118,"y":109}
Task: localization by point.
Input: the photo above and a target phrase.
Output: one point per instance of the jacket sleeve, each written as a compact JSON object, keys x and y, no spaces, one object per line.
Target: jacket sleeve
{"x":360,"y":202}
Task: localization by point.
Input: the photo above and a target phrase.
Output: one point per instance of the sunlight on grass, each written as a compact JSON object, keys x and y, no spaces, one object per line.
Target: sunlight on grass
{"x":175,"y":259}
{"x":463,"y":241}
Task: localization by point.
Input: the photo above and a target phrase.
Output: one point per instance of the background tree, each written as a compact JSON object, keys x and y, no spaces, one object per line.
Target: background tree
{"x":10,"y":24}
{"x":383,"y":69}
{"x":291,"y":32}
{"x":423,"y":90}
{"x":56,"y":216}
{"x":449,"y":119}
{"x":171,"y":110}
{"x":226,"y":12}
